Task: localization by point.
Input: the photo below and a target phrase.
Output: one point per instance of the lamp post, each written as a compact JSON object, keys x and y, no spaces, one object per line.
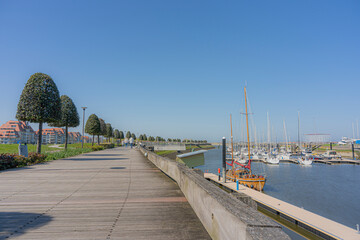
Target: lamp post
{"x":83,"y":137}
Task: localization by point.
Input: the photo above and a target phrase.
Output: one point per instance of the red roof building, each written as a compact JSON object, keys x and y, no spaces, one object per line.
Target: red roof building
{"x":16,"y":131}
{"x":57,"y":136}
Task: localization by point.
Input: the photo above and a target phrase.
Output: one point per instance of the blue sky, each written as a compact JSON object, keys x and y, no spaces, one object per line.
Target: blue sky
{"x":177,"y":68}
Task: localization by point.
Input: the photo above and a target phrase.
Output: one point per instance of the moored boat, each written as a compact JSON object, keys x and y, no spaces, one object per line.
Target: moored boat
{"x":305,"y":160}
{"x":271,"y":158}
{"x":241,"y":172}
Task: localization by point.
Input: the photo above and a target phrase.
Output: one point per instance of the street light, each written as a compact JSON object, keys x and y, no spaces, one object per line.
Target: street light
{"x":83,"y":137}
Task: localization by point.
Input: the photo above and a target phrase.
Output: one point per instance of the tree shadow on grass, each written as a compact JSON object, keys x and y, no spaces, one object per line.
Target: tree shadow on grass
{"x":13,"y":224}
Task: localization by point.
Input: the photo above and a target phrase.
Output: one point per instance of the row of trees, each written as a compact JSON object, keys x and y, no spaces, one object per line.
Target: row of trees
{"x":96,"y":126}
{"x":40,"y":102}
{"x":143,"y":137}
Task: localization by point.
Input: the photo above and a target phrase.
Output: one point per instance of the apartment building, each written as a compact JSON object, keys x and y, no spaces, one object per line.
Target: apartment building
{"x":13,"y":132}
{"x":57,"y":136}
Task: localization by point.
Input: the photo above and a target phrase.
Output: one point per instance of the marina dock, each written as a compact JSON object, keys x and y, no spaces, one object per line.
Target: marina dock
{"x":312,"y":222}
{"x":323,"y":161}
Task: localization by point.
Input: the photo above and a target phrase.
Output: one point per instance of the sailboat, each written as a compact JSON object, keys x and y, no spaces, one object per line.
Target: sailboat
{"x":270,"y":157}
{"x":241,"y":172}
{"x":303,"y":159}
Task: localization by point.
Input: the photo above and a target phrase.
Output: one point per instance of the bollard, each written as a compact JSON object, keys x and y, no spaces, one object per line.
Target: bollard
{"x":224,"y":159}
{"x":219,"y":174}
{"x":357,"y":228}
{"x":237,"y":184}
{"x":331,"y":146}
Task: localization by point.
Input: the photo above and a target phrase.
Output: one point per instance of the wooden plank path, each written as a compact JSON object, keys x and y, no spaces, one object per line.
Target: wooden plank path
{"x":111,"y":194}
{"x":331,"y":228}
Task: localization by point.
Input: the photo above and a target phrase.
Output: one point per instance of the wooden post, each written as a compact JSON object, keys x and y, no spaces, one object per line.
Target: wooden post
{"x":352,"y":149}
{"x":224,"y":159}
{"x":330,"y":145}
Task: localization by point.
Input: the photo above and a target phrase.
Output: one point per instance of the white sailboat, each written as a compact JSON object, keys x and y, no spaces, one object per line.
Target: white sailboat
{"x":302,"y":159}
{"x":305,"y":160}
{"x":271,"y":158}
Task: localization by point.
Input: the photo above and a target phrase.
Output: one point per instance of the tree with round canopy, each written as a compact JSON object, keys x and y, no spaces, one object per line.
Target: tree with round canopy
{"x":39,"y":102}
{"x":92,"y":126}
{"x":69,"y":116}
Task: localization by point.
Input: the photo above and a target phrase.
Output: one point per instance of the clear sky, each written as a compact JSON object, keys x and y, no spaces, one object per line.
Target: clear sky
{"x":177,"y":68}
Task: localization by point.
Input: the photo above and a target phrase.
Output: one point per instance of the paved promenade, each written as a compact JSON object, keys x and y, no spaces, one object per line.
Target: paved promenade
{"x":112,"y":194}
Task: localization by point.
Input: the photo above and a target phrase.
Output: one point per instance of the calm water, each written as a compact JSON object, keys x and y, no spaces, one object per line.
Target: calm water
{"x":330,"y":191}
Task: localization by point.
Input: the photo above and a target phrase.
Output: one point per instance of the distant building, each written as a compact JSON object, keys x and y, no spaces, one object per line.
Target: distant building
{"x":16,"y":131}
{"x":87,"y":139}
{"x":74,"y":137}
{"x":57,"y":136}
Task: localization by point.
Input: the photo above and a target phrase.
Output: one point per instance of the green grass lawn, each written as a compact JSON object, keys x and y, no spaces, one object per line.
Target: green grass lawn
{"x":194,"y":146}
{"x":13,"y":148}
{"x":164,"y":152}
{"x":52,"y":153}
{"x":77,"y":145}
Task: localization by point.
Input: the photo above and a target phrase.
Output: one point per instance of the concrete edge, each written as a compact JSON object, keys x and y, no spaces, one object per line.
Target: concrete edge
{"x":222,"y":214}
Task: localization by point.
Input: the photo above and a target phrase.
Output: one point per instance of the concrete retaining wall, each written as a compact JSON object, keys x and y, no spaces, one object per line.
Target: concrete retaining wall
{"x":223,"y":216}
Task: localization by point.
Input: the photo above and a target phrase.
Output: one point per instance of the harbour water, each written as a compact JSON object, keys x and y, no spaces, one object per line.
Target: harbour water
{"x":332,"y":191}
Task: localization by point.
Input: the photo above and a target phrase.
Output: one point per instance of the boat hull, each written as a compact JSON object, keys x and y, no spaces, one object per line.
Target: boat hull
{"x":250,"y":181}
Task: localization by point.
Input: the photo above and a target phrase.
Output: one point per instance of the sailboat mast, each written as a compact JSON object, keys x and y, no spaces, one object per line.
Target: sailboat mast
{"x":232,"y":143}
{"x":286,"y":139}
{"x":247,"y":128}
{"x":299,"y":131}
{"x":268,"y":131}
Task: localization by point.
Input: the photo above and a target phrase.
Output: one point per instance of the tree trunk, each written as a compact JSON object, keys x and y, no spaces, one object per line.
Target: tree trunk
{"x":98,"y":139}
{"x":39,"y":138}
{"x":66,"y":137}
{"x":93,"y":141}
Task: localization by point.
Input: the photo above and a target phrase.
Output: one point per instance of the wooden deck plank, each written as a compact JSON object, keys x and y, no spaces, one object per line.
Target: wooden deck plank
{"x":112,"y":194}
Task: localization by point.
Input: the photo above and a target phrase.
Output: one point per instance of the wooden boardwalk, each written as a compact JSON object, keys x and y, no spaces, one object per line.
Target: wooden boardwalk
{"x":328,"y":227}
{"x":112,"y":194}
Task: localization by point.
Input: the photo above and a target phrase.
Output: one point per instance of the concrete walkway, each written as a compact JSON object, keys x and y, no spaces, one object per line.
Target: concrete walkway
{"x":112,"y":194}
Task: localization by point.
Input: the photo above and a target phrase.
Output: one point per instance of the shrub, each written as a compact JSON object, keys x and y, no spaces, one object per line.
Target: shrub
{"x":107,"y":145}
{"x":36,"y":158}
{"x":13,"y":160}
{"x":97,"y":148}
{"x":7,"y":161}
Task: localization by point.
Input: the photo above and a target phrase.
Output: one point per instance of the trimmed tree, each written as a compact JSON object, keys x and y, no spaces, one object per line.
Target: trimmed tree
{"x":69,"y":116}
{"x":128,"y":134}
{"x":92,"y":126}
{"x":102,"y":129}
{"x":133,"y":136}
{"x":121,"y":135}
{"x":109,"y":131}
{"x":116,"y":134}
{"x":39,"y":102}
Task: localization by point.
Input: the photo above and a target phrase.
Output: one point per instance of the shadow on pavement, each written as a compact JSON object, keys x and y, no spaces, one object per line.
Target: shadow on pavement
{"x":94,"y":159}
{"x":16,"y":169}
{"x":101,"y":155}
{"x":13,"y":224}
